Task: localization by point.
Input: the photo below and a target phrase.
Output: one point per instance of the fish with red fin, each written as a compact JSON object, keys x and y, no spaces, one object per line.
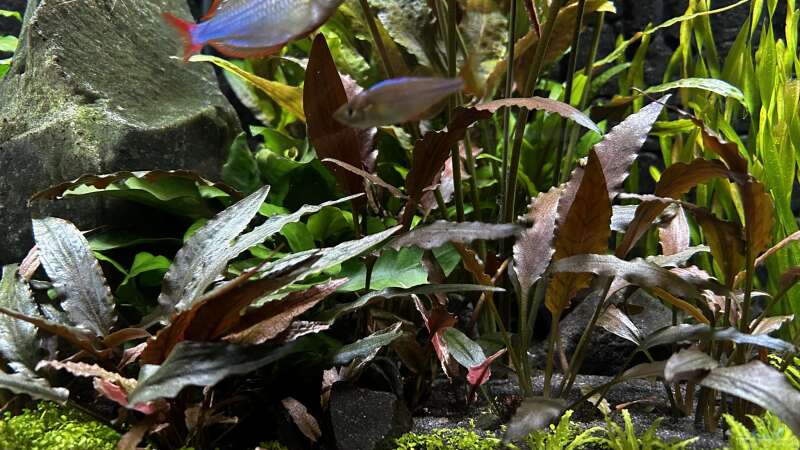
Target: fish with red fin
{"x":396,"y":101}
{"x":252,"y":28}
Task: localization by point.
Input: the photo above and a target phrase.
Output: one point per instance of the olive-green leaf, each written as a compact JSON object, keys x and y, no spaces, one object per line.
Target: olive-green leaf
{"x":366,"y":346}
{"x":719,"y":87}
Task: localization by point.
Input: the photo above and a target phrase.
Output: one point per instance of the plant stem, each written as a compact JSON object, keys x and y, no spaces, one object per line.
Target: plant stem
{"x":452,"y":41}
{"x":524,"y":383}
{"x":522,"y":119}
{"x":376,"y":36}
{"x":551,"y":344}
{"x":571,"y":68}
{"x":509,"y":90}
{"x":588,"y":72}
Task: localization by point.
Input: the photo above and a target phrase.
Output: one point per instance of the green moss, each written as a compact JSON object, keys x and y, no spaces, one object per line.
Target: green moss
{"x":448,"y":439}
{"x":769,"y":434}
{"x":52,"y":427}
{"x":272,"y":445}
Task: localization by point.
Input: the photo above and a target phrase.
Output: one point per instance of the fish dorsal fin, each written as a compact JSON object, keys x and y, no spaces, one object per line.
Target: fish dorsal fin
{"x":212,"y":10}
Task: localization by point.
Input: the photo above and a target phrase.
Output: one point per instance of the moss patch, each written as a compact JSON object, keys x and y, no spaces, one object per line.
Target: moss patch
{"x":52,"y":427}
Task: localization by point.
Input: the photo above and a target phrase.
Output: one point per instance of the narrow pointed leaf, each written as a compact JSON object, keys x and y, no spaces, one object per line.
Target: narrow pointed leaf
{"x":616,"y":322}
{"x":76,"y":274}
{"x":543,"y":104}
{"x":762,"y":385}
{"x":439,"y":233}
{"x":533,"y":248}
{"x":323,"y":94}
{"x":728,"y":151}
{"x":585,"y":229}
{"x":707,"y":84}
{"x":205,"y":254}
{"x":759,"y":216}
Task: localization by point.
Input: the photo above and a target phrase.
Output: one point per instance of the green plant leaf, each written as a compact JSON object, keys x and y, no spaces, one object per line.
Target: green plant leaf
{"x":14,"y":14}
{"x":393,"y":269}
{"x":463,"y":349}
{"x":241,"y":168}
{"x":366,"y":346}
{"x":76,"y":274}
{"x":8,"y":44}
{"x":719,"y":87}
{"x":761,"y":384}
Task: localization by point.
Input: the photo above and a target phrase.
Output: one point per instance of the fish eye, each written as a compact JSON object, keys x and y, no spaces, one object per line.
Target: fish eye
{"x":350,"y":112}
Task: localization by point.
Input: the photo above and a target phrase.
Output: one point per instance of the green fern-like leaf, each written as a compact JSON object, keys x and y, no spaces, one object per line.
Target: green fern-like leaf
{"x":769,"y":434}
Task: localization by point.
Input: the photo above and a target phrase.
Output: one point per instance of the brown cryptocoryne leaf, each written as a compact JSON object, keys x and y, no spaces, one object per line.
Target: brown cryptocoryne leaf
{"x":728,"y":151}
{"x":789,"y":278}
{"x":543,"y":104}
{"x":324,"y":93}
{"x":439,"y":233}
{"x":675,"y":182}
{"x":726,"y":242}
{"x":616,"y":152}
{"x":586,"y":228}
{"x":616,"y":322}
{"x":759,"y":217}
{"x":675,"y":235}
{"x":533,"y":248}
{"x":305,"y":422}
{"x":275,"y":317}
{"x":688,"y":364}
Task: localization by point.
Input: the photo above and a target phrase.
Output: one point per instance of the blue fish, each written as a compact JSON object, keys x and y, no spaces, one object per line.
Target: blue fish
{"x":252,"y":28}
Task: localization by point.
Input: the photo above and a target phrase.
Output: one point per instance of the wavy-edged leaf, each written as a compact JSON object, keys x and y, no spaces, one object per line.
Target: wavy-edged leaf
{"x":759,"y":214}
{"x":81,"y":369}
{"x":619,"y":148}
{"x":533,"y":414}
{"x":275,"y":317}
{"x":543,"y":104}
{"x":616,"y":322}
{"x":302,"y":418}
{"x":19,"y":344}
{"x":719,"y":87}
{"x":174,"y":191}
{"x":684,"y":332}
{"x":688,"y":364}
{"x":205,"y":364}
{"x":533,"y":248}
{"x":728,"y":151}
{"x":205,"y":254}
{"x":676,"y":181}
{"x":287,"y":97}
{"x":726,"y":242}
{"x":585,"y":229}
{"x":640,"y":273}
{"x":37,"y":388}
{"x":439,"y":233}
{"x":76,"y":274}
{"x":347,"y":250}
{"x":367,"y":345}
{"x":762,"y":385}
{"x":337,"y":311}
{"x":678,"y":259}
{"x":674,"y":237}
{"x":324,"y":93}
{"x":80,"y":337}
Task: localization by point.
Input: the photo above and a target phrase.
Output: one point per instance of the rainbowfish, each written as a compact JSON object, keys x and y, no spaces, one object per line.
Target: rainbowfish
{"x":249,"y":28}
{"x":396,"y":101}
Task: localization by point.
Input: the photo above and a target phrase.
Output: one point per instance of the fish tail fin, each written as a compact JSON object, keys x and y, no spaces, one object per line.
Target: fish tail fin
{"x":185,"y":28}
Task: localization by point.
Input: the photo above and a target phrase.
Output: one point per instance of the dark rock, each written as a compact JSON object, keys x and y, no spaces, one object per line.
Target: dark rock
{"x":606,"y":352}
{"x":367,"y":420}
{"x":93,"y":90}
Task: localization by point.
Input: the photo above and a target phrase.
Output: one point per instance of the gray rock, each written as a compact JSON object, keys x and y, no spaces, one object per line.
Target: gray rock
{"x":93,"y":90}
{"x":606,"y":352}
{"x":367,"y":420}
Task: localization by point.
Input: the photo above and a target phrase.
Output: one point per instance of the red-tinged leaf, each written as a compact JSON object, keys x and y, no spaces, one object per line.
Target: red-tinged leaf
{"x":445,"y":181}
{"x":585,"y":229}
{"x":675,"y":182}
{"x":275,"y":317}
{"x":31,"y":263}
{"x":533,"y":248}
{"x":543,"y":104}
{"x":437,"y":320}
{"x":430,"y":154}
{"x":305,"y":422}
{"x":323,"y":94}
{"x":76,"y":275}
{"x":480,"y":374}
{"x":759,"y":216}
{"x":688,"y":364}
{"x":726,"y":242}
{"x":616,"y":152}
{"x":762,"y":385}
{"x":728,"y":151}
{"x":91,"y":371}
{"x":118,"y":395}
{"x":674,"y":236}
{"x":439,"y":233}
